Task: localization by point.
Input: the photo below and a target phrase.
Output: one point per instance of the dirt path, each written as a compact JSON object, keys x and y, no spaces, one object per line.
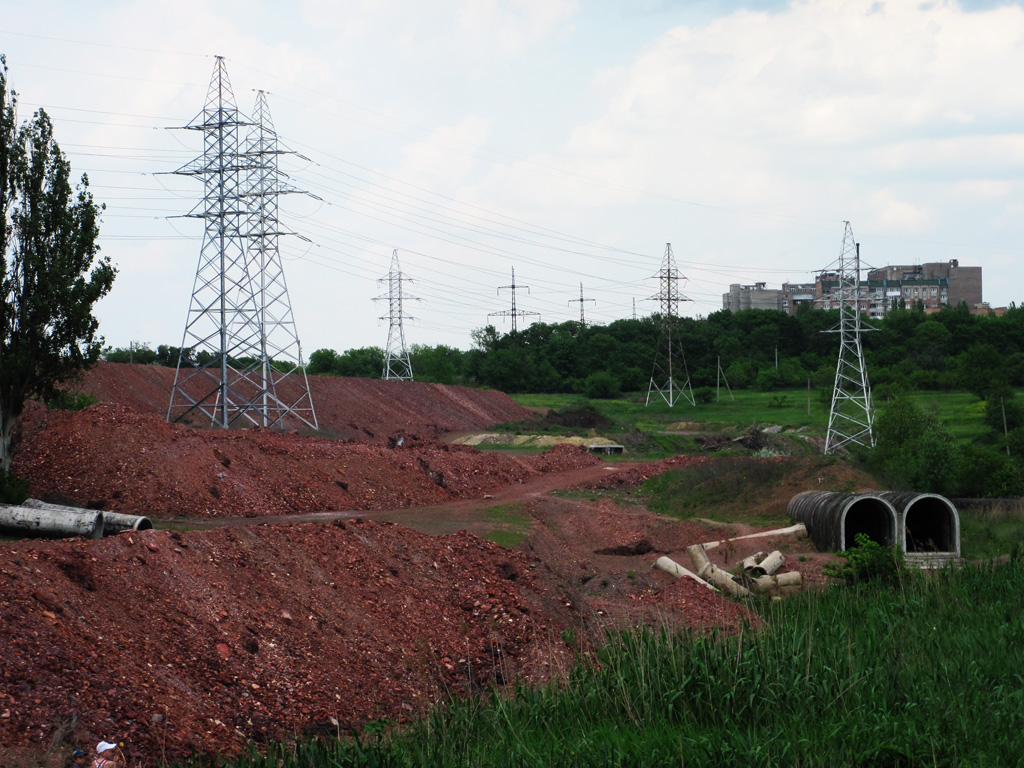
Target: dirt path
{"x":433,"y":519}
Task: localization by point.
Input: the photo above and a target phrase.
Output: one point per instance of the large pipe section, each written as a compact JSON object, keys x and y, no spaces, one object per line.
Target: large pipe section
{"x":927,"y":522}
{"x":52,"y":523}
{"x":833,"y":520}
{"x":113,"y":522}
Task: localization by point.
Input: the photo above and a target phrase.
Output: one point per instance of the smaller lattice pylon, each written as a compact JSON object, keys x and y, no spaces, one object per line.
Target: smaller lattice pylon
{"x":669,"y":361}
{"x":580,"y":300}
{"x":396,"y":356}
{"x":514,"y":313}
{"x":851,"y":415}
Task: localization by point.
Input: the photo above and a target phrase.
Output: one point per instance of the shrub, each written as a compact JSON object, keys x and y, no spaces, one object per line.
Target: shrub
{"x":868,"y":560}
{"x":601,"y":386}
{"x":13,"y":488}
{"x":703,"y":394}
{"x":71,"y":401}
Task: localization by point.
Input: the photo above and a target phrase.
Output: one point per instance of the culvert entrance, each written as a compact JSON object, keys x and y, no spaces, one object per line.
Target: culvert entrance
{"x":834,"y":519}
{"x":928,"y":522}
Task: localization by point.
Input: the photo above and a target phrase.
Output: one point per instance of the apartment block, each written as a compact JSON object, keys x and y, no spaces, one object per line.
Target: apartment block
{"x":934,"y":285}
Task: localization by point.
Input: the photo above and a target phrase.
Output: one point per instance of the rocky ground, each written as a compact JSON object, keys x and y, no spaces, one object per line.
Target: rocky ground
{"x":267,"y":626}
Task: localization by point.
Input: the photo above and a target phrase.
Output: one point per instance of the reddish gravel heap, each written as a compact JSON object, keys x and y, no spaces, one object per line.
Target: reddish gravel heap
{"x":182,"y":641}
{"x":259,"y":632}
{"x":366,"y":409}
{"x":111,"y":457}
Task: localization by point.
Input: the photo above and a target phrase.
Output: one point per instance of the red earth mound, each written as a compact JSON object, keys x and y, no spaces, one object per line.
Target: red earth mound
{"x":181,"y":641}
{"x":366,"y":409}
{"x":205,"y":640}
{"x":110,"y":457}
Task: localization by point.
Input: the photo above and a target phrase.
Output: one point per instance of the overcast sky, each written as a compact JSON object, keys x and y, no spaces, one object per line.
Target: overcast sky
{"x":567,"y":140}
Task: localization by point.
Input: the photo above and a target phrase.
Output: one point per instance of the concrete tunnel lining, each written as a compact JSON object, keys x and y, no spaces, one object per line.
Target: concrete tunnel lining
{"x":931,"y":524}
{"x":869,"y":515}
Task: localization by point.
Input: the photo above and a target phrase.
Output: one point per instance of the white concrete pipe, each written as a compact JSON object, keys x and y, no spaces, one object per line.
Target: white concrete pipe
{"x":772,"y":563}
{"x":713,"y":574}
{"x":751,"y":565}
{"x":52,"y":523}
{"x":669,"y":565}
{"x":796,"y":530}
{"x":113,"y":522}
{"x":775,"y":584}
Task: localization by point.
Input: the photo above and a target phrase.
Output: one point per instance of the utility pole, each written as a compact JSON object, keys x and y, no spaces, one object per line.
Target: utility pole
{"x":396,"y":356}
{"x":513,"y":313}
{"x":851,"y":415}
{"x":669,"y":362}
{"x":580,"y":300}
{"x":239,"y":321}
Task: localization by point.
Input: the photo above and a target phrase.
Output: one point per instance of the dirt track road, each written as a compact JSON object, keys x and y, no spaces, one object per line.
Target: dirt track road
{"x":434,"y":519}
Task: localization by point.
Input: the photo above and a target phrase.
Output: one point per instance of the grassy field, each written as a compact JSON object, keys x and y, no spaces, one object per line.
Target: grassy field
{"x":962,"y":412}
{"x":926,"y":673}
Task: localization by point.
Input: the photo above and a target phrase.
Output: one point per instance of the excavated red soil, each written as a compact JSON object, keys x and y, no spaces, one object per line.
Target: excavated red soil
{"x":175,"y":641}
{"x":367,"y":409}
{"x":204,"y":640}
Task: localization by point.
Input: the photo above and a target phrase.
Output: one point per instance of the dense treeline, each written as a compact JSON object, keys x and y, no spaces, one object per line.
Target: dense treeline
{"x":763,"y":349}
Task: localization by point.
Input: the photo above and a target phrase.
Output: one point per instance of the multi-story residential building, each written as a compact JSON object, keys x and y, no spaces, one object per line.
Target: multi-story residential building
{"x":934,"y":285}
{"x":757,"y":296}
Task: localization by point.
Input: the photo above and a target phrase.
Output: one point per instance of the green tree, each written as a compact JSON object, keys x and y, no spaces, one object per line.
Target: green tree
{"x":50,"y":276}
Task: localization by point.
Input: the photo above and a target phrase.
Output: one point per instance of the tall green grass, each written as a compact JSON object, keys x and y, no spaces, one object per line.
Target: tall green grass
{"x":930,"y":673}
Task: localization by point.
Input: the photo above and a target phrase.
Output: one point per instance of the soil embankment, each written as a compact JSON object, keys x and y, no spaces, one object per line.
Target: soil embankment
{"x":363,"y":409}
{"x":177,"y":641}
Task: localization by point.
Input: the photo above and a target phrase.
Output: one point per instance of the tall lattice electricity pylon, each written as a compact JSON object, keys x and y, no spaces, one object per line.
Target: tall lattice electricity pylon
{"x":851,"y":416}
{"x":396,"y":356}
{"x":513,"y":313}
{"x":239,"y":328}
{"x":580,"y":300}
{"x":669,"y":361}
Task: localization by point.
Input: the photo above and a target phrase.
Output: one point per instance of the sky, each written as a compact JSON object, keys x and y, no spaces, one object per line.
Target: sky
{"x":569,"y":140}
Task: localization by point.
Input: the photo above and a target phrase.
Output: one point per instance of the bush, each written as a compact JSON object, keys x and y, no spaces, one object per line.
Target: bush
{"x":601,"y":386}
{"x":868,"y":560}
{"x":703,"y":394}
{"x":13,"y":488}
{"x":71,"y":401}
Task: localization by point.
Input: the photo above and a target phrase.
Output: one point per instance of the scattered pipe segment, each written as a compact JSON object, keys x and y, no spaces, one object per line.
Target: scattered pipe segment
{"x":113,"y":522}
{"x":51,"y":523}
{"x":37,"y":518}
{"x":669,"y":565}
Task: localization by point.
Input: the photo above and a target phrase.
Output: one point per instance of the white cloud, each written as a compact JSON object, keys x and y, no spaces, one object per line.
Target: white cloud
{"x":884,"y":212}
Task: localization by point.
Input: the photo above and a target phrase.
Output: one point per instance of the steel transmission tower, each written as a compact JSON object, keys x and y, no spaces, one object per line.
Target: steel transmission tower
{"x":851,"y":417}
{"x":580,"y":300}
{"x":239,"y":322}
{"x":513,"y":313}
{"x":669,"y":361}
{"x":396,"y":357}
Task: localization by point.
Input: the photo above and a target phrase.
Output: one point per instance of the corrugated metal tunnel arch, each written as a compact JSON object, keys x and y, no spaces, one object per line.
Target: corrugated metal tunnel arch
{"x":927,"y":522}
{"x":834,"y":519}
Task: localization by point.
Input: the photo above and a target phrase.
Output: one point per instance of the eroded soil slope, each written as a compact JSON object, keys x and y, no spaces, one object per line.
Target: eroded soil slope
{"x":176,"y":641}
{"x":111,"y":457}
{"x":367,"y":409}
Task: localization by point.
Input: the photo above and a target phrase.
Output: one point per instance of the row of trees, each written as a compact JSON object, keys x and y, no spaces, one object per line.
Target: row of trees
{"x":762,"y":349}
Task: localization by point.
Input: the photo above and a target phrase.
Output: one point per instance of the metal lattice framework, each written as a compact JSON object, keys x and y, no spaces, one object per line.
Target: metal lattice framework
{"x":396,"y":356}
{"x":513,"y":313}
{"x":851,"y":416}
{"x":240,"y":359}
{"x":580,"y":301}
{"x":669,"y":361}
